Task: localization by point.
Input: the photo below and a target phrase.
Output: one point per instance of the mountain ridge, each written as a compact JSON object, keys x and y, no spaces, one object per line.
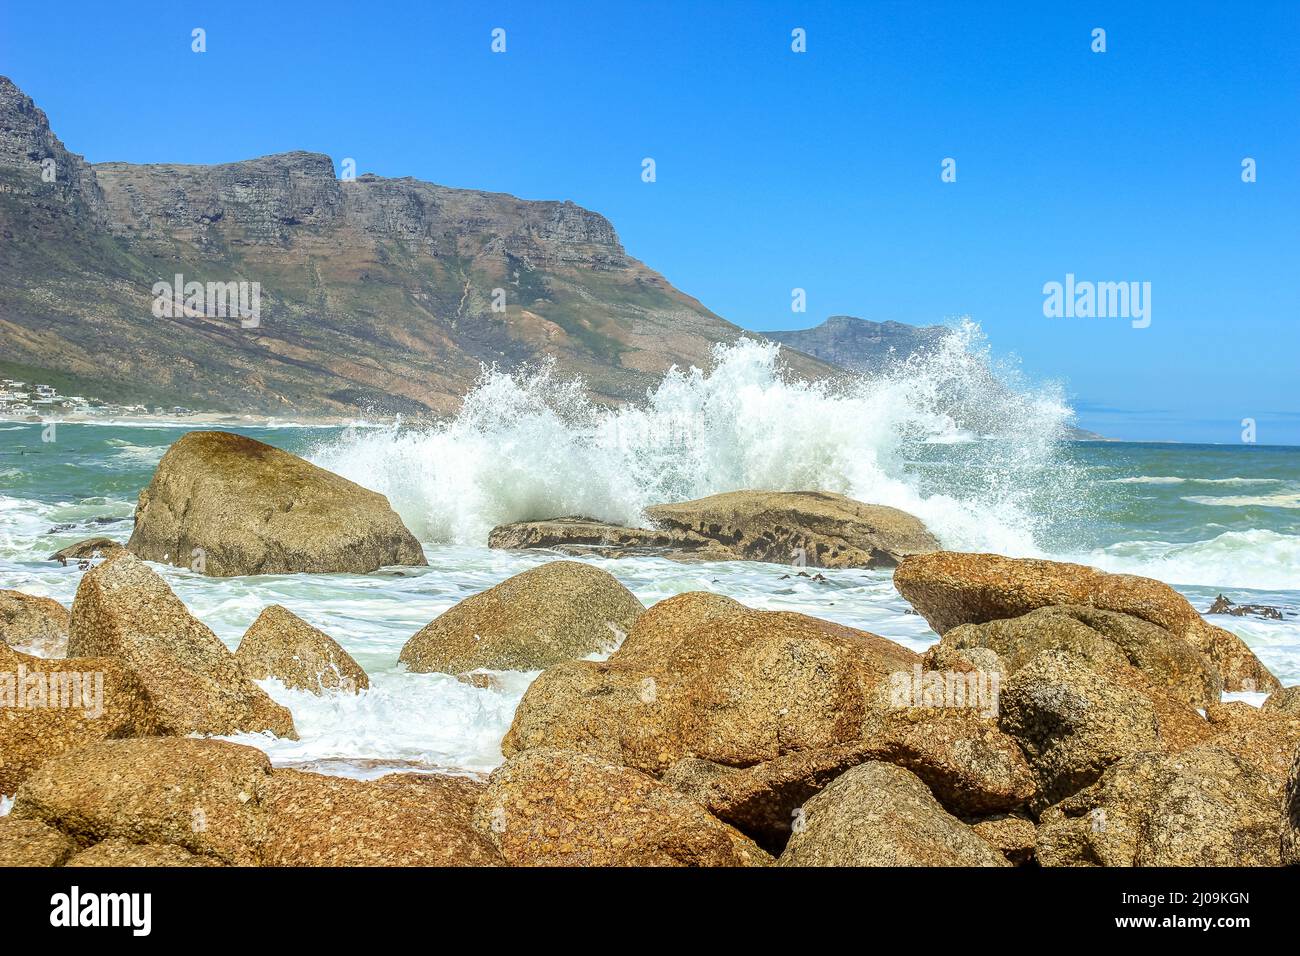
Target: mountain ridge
{"x":377,"y":294}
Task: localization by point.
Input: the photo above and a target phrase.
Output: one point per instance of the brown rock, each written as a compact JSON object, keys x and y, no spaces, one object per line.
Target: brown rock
{"x":1286,"y":700}
{"x":201,"y":795}
{"x":556,"y":808}
{"x":48,"y":707}
{"x":555,"y":612}
{"x":1267,"y":739}
{"x":824,"y":529}
{"x":125,"y":611}
{"x":1106,"y":637}
{"x":228,"y":505}
{"x":35,"y":625}
{"x":1203,"y":807}
{"x":1291,"y":815}
{"x":282,"y":645}
{"x":399,"y":820}
{"x":969,"y":765}
{"x":88,"y":550}
{"x":703,"y":676}
{"x":1073,"y":723}
{"x":950,"y":589}
{"x":1012,"y":836}
{"x":583,"y":536}
{"x":32,"y":843}
{"x":878,"y":814}
{"x":118,"y":852}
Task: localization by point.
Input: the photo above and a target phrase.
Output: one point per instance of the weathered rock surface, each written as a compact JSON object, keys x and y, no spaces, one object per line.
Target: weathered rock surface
{"x":223,"y":801}
{"x":1286,"y":700}
{"x":556,"y":612}
{"x":1108,"y":638}
{"x":1266,"y":739}
{"x":878,"y":814}
{"x":700,"y":675}
{"x":1291,"y":815}
{"x":48,"y":707}
{"x":969,"y":765}
{"x":398,"y":820}
{"x":33,"y":624}
{"x":1073,"y":723}
{"x":125,"y":611}
{"x":818,"y":528}
{"x":119,"y":852}
{"x":1203,"y":807}
{"x":1014,"y":837}
{"x":950,"y":589}
{"x":32,"y":843}
{"x":88,"y":550}
{"x":557,"y":808}
{"x":282,"y":645}
{"x":225,"y":505}
{"x":579,"y":536}
{"x":200,"y":795}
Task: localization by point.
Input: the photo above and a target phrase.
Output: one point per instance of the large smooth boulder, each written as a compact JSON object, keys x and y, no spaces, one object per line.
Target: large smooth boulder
{"x":1072,"y":722}
{"x":1203,"y":807}
{"x":125,"y":611}
{"x":1106,"y":637}
{"x":398,"y":820}
{"x":48,"y":707}
{"x":701,"y":675}
{"x":282,"y":645}
{"x":32,"y":843}
{"x":201,"y":795}
{"x":556,"y":808}
{"x":36,"y":625}
{"x":818,"y":528}
{"x":551,"y":613}
{"x":950,"y":589}
{"x":878,"y":814}
{"x":225,"y":505}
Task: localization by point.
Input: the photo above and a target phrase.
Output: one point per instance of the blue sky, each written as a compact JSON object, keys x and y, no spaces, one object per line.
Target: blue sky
{"x":778,"y":170}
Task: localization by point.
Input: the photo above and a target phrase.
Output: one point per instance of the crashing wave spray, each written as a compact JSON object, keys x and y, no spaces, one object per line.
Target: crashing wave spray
{"x":946,"y":434}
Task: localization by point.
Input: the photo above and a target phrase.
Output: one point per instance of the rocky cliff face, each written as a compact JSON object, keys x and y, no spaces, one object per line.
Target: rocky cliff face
{"x":860,"y":344}
{"x":376,"y":294}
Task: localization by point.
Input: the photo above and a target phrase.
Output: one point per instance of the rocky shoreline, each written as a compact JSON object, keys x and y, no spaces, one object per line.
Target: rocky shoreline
{"x":1065,"y":717}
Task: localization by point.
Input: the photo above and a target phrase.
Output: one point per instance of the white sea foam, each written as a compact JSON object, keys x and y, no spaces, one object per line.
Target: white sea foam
{"x":1175,"y":480}
{"x":1256,"y":559}
{"x":527,"y":445}
{"x":1246,"y":501}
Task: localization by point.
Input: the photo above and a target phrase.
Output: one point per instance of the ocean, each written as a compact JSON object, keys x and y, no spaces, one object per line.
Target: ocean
{"x":954,"y":437}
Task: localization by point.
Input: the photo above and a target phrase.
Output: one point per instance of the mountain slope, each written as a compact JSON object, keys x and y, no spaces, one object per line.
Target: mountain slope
{"x":860,"y":344}
{"x":376,"y":294}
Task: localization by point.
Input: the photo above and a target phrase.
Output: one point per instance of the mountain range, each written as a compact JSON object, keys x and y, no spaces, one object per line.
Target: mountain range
{"x":376,"y":294}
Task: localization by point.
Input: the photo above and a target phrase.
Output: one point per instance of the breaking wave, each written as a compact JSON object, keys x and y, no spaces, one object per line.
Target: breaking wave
{"x":527,"y":444}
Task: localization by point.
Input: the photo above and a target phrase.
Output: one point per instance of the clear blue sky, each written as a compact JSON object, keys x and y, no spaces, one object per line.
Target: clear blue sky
{"x":779,"y":170}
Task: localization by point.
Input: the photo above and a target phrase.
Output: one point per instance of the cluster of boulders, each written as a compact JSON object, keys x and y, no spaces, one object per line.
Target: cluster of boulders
{"x":1066,"y":716}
